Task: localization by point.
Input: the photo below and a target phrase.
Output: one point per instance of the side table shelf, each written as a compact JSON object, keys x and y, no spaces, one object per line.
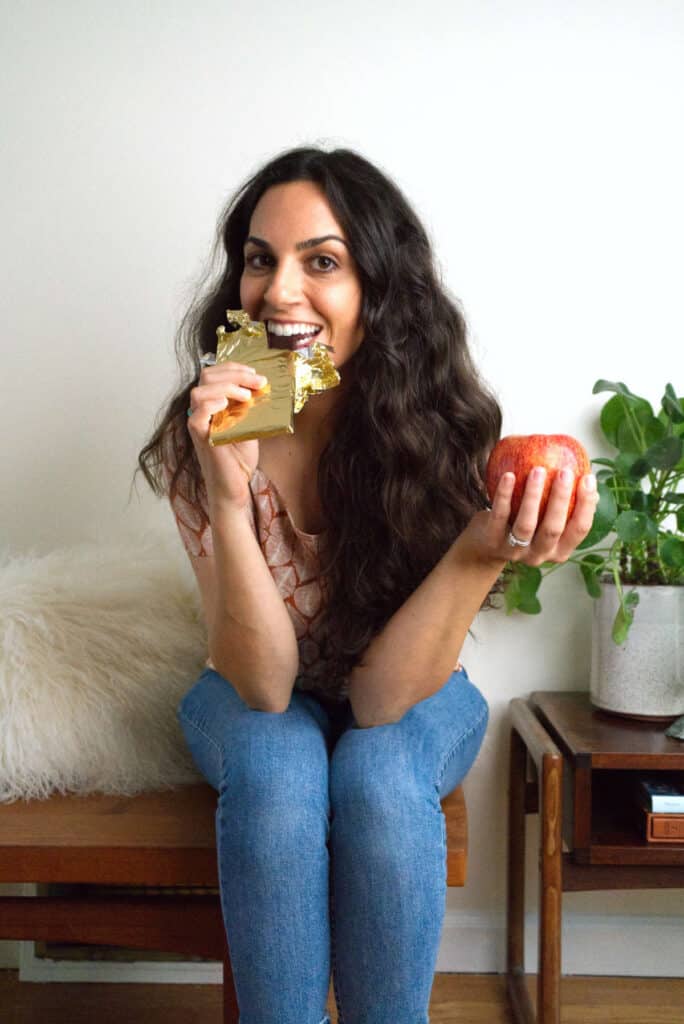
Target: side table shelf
{"x":579,"y":760}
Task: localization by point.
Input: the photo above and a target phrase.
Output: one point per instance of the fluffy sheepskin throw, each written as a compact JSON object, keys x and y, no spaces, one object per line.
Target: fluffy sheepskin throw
{"x":98,"y":643}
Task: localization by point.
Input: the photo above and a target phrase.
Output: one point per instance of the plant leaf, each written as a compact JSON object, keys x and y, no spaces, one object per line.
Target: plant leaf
{"x":521,"y":588}
{"x":611,"y":385}
{"x":672,"y":552}
{"x":638,"y":469}
{"x":665,"y":454}
{"x":621,"y":626}
{"x":625,"y":617}
{"x":631,"y":526}
{"x":604,"y":517}
{"x":641,"y":502}
{"x":651,"y":529}
{"x":612,"y":415}
{"x":615,"y":414}
{"x":672,"y":406}
{"x":591,"y":567}
{"x":511,"y":592}
{"x":530,"y":578}
{"x":631,"y":438}
{"x":654,"y":430}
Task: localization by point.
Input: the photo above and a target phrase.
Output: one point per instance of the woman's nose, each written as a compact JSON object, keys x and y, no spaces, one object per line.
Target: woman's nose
{"x":284,"y":284}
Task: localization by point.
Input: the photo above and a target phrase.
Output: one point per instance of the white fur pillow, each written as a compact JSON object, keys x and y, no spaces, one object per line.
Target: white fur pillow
{"x":98,"y":643}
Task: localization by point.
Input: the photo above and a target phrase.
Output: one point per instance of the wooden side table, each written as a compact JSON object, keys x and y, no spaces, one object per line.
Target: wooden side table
{"x":574,"y":765}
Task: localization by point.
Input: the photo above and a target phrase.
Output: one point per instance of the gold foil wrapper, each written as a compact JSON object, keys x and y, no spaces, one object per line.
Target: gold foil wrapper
{"x":314,"y":372}
{"x":292,"y":377}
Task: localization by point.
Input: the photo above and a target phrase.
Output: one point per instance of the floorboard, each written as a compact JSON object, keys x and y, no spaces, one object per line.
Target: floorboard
{"x":456,"y":999}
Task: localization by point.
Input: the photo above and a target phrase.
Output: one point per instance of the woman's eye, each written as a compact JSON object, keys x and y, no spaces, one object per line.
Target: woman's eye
{"x":263,"y":261}
{"x":326,"y":263}
{"x":254,"y":261}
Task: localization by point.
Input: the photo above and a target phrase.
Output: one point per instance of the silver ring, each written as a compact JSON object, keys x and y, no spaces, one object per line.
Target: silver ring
{"x":516,"y":543}
{"x":207,"y":359}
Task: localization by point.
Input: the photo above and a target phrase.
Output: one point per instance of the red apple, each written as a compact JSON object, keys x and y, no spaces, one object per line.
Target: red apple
{"x":520,"y":453}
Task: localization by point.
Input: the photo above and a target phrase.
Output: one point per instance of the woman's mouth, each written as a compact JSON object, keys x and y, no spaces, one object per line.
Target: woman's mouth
{"x":291,"y":336}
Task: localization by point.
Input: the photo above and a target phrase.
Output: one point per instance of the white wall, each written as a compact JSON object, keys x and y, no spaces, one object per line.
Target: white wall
{"x":542,"y":144}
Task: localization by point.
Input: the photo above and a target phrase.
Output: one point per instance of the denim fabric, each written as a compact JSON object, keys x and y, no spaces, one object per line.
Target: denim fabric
{"x":332,"y":846}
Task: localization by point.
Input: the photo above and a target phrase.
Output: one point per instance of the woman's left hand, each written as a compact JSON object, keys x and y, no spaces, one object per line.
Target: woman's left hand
{"x":549,"y":539}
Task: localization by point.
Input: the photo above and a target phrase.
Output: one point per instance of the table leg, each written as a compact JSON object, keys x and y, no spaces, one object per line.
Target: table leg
{"x":550,"y":891}
{"x":521,"y":1005}
{"x":231,"y":1012}
{"x":550,"y":895}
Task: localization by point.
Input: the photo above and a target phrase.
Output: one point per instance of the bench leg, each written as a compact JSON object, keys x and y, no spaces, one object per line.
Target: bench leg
{"x":231,"y":1012}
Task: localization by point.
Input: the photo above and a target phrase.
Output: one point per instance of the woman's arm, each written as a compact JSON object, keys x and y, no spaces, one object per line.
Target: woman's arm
{"x":417,"y":650}
{"x":252,"y":641}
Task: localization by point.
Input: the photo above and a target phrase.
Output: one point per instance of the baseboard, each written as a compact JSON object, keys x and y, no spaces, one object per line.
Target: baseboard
{"x":33,"y":968}
{"x":624,"y":945}
{"x":637,"y":946}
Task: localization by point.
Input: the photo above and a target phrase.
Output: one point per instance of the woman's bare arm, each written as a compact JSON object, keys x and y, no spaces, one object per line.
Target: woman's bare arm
{"x":413,"y":656}
{"x":252,"y":641}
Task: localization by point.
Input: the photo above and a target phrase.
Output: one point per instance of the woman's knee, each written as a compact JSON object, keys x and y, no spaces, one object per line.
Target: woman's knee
{"x":197,"y":714}
{"x":470,"y":713}
{"x":211,"y":703}
{"x":214,"y":708}
{"x":429,"y":750}
{"x":268,"y":752}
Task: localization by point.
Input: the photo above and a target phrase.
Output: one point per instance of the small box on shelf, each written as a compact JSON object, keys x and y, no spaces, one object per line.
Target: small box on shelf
{"x":664,"y":828}
{"x":660,"y":793}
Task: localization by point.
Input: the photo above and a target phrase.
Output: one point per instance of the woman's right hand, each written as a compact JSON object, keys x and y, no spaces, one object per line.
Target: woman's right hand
{"x":226,"y":468}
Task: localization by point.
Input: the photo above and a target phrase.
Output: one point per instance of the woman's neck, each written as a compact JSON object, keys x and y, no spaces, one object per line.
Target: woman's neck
{"x":315,"y":424}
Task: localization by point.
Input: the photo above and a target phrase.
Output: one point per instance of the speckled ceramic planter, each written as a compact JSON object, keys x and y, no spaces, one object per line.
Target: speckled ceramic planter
{"x":644,"y":677}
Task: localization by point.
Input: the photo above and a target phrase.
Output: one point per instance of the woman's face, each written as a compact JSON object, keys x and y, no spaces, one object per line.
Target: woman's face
{"x":299,"y":273}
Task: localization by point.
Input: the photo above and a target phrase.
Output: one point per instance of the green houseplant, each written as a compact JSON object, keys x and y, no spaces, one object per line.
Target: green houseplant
{"x":637,"y":538}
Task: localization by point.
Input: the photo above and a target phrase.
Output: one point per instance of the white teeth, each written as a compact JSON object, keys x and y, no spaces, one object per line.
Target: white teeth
{"x":286,"y":330}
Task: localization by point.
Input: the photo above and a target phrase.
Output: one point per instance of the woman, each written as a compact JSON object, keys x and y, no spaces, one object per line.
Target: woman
{"x":340,"y":570}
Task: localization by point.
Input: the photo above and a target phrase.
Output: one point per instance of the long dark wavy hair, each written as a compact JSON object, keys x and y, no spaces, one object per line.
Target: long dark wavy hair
{"x":404,"y":470}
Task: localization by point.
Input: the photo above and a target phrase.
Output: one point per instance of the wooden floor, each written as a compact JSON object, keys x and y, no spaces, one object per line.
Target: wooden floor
{"x":456,"y":999}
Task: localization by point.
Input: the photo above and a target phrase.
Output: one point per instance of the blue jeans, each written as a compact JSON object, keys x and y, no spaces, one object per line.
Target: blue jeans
{"x":332,"y":846}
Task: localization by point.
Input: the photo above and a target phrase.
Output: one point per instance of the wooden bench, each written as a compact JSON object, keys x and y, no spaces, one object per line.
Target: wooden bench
{"x":156,"y":840}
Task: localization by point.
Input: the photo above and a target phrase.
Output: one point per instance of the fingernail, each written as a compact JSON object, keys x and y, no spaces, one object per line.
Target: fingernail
{"x":590,"y":483}
{"x":261,"y":378}
{"x":538,"y":473}
{"x":566,"y":476}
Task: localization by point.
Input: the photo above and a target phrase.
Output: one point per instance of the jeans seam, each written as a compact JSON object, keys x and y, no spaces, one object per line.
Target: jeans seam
{"x":462,"y":739}
{"x":333,"y":951}
{"x":202,"y":732}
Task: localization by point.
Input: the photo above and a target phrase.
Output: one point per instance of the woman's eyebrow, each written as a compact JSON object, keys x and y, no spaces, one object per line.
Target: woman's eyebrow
{"x":308,"y":244}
